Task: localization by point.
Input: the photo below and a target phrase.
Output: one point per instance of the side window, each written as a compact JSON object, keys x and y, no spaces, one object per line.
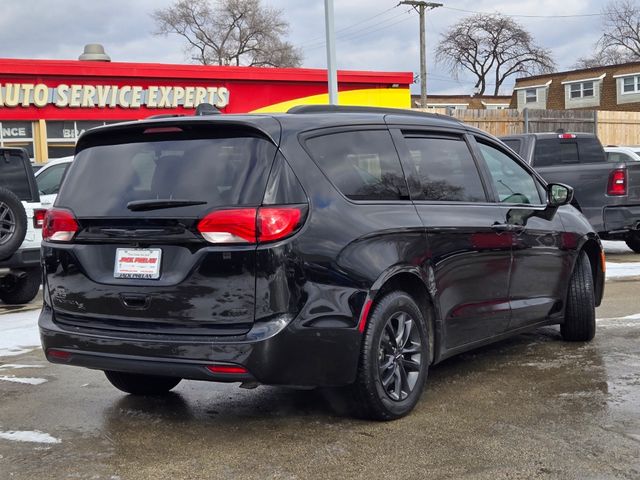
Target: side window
{"x":446,"y":170}
{"x":50,"y":179}
{"x":363,"y":165}
{"x":512,"y":182}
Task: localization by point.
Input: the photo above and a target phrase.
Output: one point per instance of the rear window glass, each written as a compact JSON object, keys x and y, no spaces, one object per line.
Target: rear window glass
{"x":619,"y":157}
{"x":554,"y":151}
{"x":513,"y":144}
{"x":363,"y":165}
{"x":224,"y":171}
{"x":14,"y":176}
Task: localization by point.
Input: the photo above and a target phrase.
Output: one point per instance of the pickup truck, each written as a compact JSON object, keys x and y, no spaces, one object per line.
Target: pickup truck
{"x":607,"y":193}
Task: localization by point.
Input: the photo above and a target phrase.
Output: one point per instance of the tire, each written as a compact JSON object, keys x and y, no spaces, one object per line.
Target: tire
{"x":633,"y":241}
{"x":139,"y":384}
{"x":580,"y":315}
{"x":22,"y":290}
{"x":391,"y":376}
{"x":13,"y":223}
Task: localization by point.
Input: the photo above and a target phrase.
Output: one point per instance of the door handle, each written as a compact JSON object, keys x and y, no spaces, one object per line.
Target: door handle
{"x":500,"y":227}
{"x":507,"y":227}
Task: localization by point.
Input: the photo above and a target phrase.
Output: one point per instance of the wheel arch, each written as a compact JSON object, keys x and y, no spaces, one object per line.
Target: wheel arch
{"x":414,"y":282}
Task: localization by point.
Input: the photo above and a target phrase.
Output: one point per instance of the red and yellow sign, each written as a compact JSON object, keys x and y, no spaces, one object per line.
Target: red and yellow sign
{"x":77,"y":90}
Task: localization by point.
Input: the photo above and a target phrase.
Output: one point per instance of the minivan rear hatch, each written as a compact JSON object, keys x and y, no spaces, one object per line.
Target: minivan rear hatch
{"x":138,"y":262}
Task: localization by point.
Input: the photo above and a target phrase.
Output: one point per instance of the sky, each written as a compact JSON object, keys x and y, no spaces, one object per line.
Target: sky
{"x":371,"y":34}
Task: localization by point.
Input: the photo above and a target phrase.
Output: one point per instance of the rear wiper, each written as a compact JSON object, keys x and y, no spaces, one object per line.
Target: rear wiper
{"x":159,"y":203}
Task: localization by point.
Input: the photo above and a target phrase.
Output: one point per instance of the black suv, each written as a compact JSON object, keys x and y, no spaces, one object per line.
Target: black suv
{"x":329,"y":246}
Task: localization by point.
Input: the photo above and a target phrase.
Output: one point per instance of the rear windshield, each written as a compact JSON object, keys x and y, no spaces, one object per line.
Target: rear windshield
{"x":514,"y":144}
{"x":14,"y":175}
{"x":556,"y":151}
{"x":225,"y":171}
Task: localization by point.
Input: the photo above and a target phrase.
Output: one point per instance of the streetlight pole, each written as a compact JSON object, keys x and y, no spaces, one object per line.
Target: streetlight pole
{"x":421,"y":8}
{"x":331,"y":52}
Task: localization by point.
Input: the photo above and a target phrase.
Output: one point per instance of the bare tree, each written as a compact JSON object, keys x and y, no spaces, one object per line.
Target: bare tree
{"x":492,"y":48}
{"x":230,"y":32}
{"x":620,"y":40}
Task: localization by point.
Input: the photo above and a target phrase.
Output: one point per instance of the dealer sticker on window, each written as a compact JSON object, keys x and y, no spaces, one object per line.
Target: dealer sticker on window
{"x":138,"y":263}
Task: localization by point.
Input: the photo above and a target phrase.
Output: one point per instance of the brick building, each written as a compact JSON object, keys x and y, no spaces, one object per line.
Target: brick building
{"x":463,"y":102}
{"x":612,"y":87}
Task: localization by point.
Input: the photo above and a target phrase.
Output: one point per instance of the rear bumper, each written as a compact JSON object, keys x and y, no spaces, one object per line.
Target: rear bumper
{"x":24,"y":258}
{"x":621,"y":218}
{"x":276,"y":353}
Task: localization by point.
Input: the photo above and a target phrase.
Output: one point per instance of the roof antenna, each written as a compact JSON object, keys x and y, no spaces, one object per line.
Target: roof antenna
{"x":206,"y":109}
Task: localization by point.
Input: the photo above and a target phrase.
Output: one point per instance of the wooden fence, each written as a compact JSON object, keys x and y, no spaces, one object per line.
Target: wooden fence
{"x":613,"y":128}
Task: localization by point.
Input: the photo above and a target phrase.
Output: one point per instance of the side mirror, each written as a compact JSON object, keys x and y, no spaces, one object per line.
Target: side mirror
{"x":559,"y":194}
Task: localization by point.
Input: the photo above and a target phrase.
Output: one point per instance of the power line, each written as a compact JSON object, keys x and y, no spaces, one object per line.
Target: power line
{"x":577,"y":15}
{"x":364,"y":31}
{"x":349,"y":27}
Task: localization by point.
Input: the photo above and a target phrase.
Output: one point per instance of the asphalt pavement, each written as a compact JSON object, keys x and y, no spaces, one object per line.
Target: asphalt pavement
{"x":529,"y":407}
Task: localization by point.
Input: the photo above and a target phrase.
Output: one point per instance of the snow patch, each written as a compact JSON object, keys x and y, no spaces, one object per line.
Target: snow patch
{"x":19,"y":333}
{"x":28,"y":436}
{"x":611,"y":246}
{"x":16,"y":366}
{"x":621,"y":270}
{"x":25,"y":380}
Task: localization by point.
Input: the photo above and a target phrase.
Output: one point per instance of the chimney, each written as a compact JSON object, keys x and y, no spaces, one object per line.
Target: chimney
{"x":94,"y":52}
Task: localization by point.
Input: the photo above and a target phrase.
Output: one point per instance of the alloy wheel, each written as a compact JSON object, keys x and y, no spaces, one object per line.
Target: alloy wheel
{"x":399,"y":356}
{"x":7,"y":223}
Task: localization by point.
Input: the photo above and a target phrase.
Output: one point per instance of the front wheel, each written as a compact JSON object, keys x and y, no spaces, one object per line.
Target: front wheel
{"x":394,"y":359}
{"x":139,"y":384}
{"x":580,"y":315}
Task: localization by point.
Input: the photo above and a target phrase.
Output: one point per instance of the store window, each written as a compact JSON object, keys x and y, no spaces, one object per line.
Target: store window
{"x":62,"y":136}
{"x":17,"y":134}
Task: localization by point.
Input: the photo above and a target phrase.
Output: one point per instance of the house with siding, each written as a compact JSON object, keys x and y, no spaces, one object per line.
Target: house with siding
{"x":611,"y":87}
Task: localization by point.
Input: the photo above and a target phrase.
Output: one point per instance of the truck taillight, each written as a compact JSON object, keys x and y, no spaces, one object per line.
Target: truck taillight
{"x":38,"y":217}
{"x":251,"y":225}
{"x":567,"y":136}
{"x":60,"y":225}
{"x":617,"y":182}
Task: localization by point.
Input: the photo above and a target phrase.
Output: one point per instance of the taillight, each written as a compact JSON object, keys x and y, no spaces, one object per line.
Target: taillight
{"x":250,"y":225}
{"x":566,"y":136}
{"x":276,"y":223}
{"x":38,"y":217}
{"x":60,"y":225}
{"x":617,"y":182}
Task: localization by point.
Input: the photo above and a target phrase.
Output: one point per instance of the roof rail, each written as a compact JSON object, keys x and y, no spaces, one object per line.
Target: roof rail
{"x":303,"y":109}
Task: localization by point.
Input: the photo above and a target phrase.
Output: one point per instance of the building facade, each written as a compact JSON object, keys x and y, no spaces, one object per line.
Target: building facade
{"x":45,"y":104}
{"x":612,"y":87}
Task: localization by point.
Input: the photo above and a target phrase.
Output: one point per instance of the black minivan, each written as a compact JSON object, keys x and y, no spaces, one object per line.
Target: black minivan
{"x":329,"y":246}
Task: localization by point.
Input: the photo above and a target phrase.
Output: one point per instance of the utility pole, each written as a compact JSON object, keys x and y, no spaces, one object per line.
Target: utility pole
{"x":331,"y":52}
{"x":421,"y":7}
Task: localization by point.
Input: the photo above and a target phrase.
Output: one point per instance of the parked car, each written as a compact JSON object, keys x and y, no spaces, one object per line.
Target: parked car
{"x":608,"y":193}
{"x":21,"y":218}
{"x":337,"y":247}
{"x":617,"y":154}
{"x":50,"y":176}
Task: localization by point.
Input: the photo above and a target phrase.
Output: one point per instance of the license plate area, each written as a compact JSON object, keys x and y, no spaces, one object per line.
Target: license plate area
{"x":138,"y":263}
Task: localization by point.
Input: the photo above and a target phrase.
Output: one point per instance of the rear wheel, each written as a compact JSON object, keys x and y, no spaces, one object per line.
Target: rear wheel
{"x":633,"y":241}
{"x":394,"y":359}
{"x":580,"y":315}
{"x":138,"y":384}
{"x":21,"y":288}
